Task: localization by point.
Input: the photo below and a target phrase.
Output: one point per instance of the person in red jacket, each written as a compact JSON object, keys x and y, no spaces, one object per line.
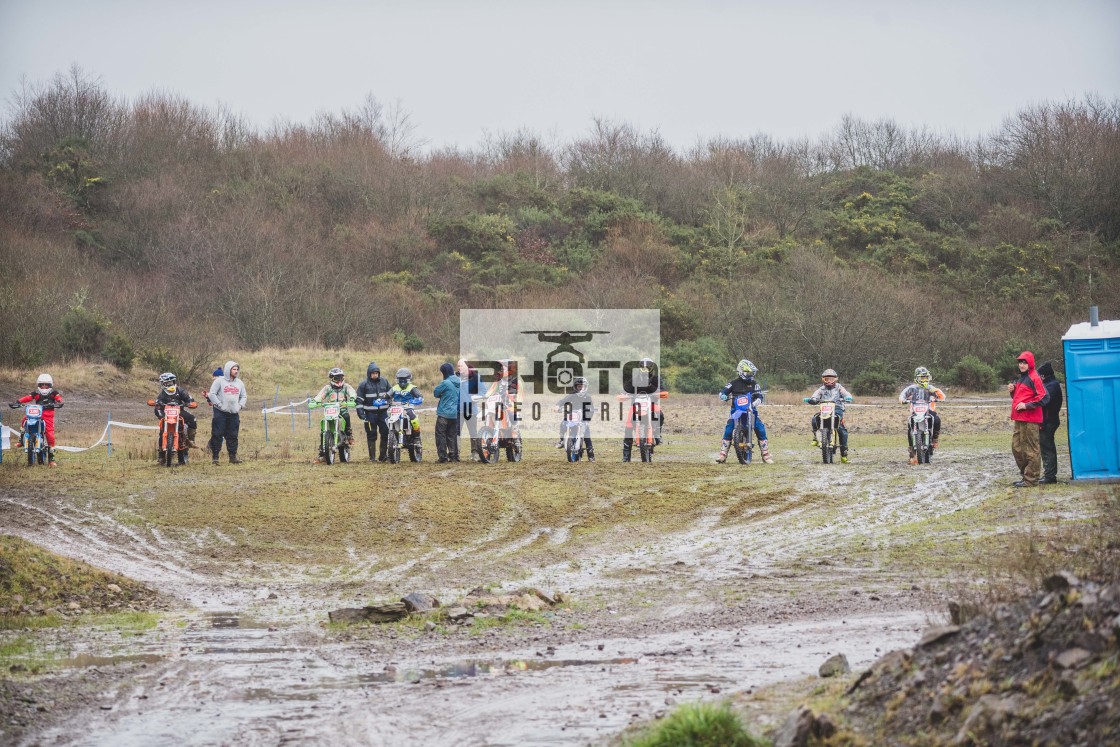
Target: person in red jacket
{"x":50,"y":398}
{"x":1028,"y":395}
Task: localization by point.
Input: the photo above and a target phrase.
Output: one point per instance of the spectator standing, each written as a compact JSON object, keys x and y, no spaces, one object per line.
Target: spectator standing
{"x":1028,"y":397}
{"x":468,"y":390}
{"x":227,"y":394}
{"x":1050,"y":421}
{"x":373,"y":405}
{"x":447,"y":415}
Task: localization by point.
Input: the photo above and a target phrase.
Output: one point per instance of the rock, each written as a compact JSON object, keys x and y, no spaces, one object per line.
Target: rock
{"x":835,"y":665}
{"x":457,"y":613}
{"x":429,"y":626}
{"x":527,"y":602}
{"x":795,"y":730}
{"x":955,"y":613}
{"x":114,"y":588}
{"x":1072,"y":658}
{"x":547,"y":599}
{"x":937,"y":633}
{"x":420,"y":602}
{"x":377,"y":613}
{"x":891,"y":662}
{"x":1061,"y":581}
{"x":74,"y":606}
{"x":985,"y":716}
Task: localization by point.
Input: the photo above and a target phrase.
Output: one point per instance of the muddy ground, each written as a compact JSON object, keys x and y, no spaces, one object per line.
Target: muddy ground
{"x":682,"y":580}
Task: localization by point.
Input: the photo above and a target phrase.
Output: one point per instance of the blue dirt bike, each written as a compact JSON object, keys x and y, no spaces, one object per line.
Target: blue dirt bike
{"x":33,"y":437}
{"x":742,"y":434}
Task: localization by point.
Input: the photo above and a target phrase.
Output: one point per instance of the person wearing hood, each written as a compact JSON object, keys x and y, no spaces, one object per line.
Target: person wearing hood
{"x":447,"y":415}
{"x":1028,"y":398}
{"x":227,"y":395}
{"x":1050,"y":423}
{"x":373,"y":405}
{"x":468,"y":390}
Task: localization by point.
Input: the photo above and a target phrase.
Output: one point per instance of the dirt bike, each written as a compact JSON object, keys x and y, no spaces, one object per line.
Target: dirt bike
{"x":332,"y":439}
{"x":641,"y":417}
{"x":498,"y":430}
{"x":828,"y":433}
{"x":920,"y":431}
{"x":33,"y":436}
{"x":171,"y":442}
{"x":575,"y":430}
{"x":742,"y":435}
{"x":401,"y":434}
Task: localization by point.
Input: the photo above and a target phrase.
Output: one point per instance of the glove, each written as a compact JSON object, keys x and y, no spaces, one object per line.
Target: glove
{"x":847,"y":399}
{"x":13,"y":405}
{"x":723,"y":396}
{"x":807,"y":400}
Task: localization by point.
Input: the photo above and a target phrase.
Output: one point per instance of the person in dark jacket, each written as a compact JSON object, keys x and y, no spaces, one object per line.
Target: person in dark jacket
{"x":1050,"y":423}
{"x":373,"y":404}
{"x":577,"y":404}
{"x":447,"y":415}
{"x":1028,"y":397}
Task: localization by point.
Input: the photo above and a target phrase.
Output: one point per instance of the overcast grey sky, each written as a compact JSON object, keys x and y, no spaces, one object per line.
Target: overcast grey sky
{"x":690,"y":70}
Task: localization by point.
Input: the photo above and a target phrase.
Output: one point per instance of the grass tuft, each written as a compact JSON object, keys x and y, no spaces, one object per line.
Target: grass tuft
{"x":698,"y":725}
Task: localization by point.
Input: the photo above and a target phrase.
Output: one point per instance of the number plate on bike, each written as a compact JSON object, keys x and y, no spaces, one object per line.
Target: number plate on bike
{"x":742,"y":401}
{"x":920,"y":408}
{"x":34,"y":411}
{"x":396,"y":410}
{"x":171,"y":413}
{"x":827,"y":409}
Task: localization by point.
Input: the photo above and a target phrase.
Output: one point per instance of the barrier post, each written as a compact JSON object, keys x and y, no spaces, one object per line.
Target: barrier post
{"x":109,"y":435}
{"x":292,"y":409}
{"x":309,"y":411}
{"x":7,"y":441}
{"x":264,"y":410}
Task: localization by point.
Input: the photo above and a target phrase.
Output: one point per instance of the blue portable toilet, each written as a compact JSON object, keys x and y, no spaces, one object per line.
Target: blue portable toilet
{"x":1092,"y":354}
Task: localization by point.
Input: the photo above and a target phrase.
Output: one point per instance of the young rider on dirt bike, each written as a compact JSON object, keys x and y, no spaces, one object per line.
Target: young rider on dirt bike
{"x":50,"y":399}
{"x":337,"y":390}
{"x":923,"y":391}
{"x":371,"y":391}
{"x":577,"y":402}
{"x":831,"y":390}
{"x":405,"y":393}
{"x":744,"y":384}
{"x":170,"y":393}
{"x":645,"y":382}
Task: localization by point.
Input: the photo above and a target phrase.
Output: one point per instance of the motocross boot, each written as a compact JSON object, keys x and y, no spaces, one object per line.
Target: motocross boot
{"x":191,"y":432}
{"x":723,"y":447}
{"x":50,"y":458}
{"x":476,"y":445}
{"x":627,"y":445}
{"x":764,"y":448}
{"x":591,"y":455}
{"x":349,"y":438}
{"x":843,"y":454}
{"x":913,"y":456}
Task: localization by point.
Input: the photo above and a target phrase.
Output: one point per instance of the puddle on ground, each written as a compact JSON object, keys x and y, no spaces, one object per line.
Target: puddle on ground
{"x":91,"y":660}
{"x":483,"y":669}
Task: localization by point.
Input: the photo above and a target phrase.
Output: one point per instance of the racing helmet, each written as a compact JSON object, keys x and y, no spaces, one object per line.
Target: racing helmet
{"x":746,"y":369}
{"x":337,"y":376}
{"x":645,"y":364}
{"x":827,"y":374}
{"x":921,"y":376}
{"x":168,"y":383}
{"x":404,"y":377}
{"x":580,"y":384}
{"x":44,"y":381}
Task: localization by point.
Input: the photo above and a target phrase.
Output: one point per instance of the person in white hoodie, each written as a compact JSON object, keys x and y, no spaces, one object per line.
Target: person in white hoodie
{"x":227,"y":395}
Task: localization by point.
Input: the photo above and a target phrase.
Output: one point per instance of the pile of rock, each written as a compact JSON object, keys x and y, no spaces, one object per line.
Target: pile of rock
{"x":478,"y":602}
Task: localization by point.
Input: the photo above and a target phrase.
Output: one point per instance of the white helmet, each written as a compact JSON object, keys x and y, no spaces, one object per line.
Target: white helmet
{"x":45,"y":379}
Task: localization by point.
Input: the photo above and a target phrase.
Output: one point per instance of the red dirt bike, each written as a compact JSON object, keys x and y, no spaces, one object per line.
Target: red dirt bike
{"x":499,"y":429}
{"x":171,"y":444}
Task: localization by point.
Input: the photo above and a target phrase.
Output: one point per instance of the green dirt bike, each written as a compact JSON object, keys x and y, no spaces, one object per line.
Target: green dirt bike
{"x":332,"y":437}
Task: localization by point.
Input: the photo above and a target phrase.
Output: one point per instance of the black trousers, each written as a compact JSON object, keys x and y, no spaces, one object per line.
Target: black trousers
{"x":376,"y":425}
{"x":447,"y":439}
{"x":225,"y":425}
{"x":1049,"y":452}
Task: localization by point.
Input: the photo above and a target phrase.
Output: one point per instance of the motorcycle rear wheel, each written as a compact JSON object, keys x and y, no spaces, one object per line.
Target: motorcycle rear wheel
{"x":513,"y":450}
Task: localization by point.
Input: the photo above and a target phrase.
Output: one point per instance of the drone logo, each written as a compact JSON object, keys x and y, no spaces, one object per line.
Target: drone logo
{"x":564,"y":340}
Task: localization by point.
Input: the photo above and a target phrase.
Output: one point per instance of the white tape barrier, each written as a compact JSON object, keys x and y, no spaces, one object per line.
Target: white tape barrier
{"x":105,"y":434}
{"x":282,"y":408}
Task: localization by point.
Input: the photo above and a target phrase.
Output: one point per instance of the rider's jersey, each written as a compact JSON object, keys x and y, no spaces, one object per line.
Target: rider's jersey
{"x":737,"y":386}
{"x":405,"y":395}
{"x":329,"y":394}
{"x":578,"y":402}
{"x":837,"y":393}
{"x":181,"y":397}
{"x":915,"y":393}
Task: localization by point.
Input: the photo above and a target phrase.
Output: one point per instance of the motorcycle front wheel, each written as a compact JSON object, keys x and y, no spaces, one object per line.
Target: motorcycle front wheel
{"x":328,"y":447}
{"x":393,"y":450}
{"x":488,"y":446}
{"x":513,"y":451}
{"x":742,"y":448}
{"x":168,"y":452}
{"x":827,"y":448}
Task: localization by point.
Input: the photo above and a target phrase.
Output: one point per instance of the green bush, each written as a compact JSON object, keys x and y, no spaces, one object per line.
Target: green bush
{"x":697,"y":725}
{"x":876,"y":379}
{"x":700,"y":366}
{"x":83,"y":331}
{"x":118,"y":350}
{"x":793,"y":382}
{"x":412,"y":343}
{"x":973,"y":374}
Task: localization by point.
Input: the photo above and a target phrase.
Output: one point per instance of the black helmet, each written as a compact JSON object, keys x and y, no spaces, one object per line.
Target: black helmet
{"x":336,"y":376}
{"x":168,"y":383}
{"x":404,"y":377}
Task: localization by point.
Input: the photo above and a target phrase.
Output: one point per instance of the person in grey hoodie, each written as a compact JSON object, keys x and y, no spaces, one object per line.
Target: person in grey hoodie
{"x":227,"y":395}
